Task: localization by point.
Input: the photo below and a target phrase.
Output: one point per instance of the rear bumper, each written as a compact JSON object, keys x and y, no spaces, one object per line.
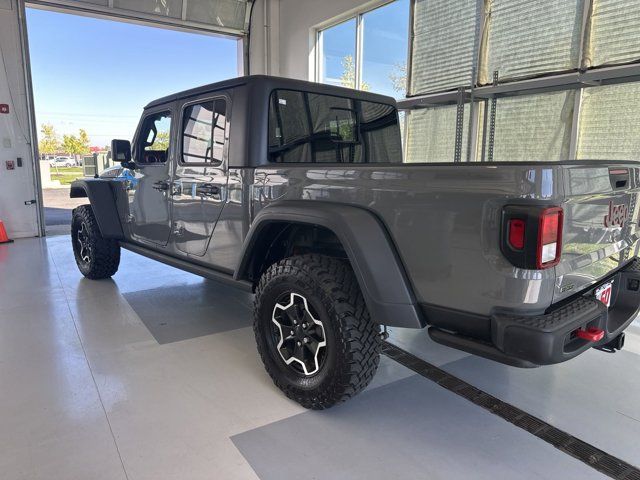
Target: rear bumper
{"x":532,"y":340}
{"x":551,"y":338}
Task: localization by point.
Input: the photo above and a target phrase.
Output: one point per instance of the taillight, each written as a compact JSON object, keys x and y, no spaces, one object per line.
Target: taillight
{"x":549,"y":237}
{"x":531,"y":236}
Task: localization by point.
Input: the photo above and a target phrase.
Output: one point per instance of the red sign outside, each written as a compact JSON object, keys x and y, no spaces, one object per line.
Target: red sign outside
{"x":4,"y":108}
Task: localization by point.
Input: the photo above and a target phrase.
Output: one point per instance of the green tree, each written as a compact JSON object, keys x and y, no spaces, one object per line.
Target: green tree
{"x":348,"y":77}
{"x":398,"y":77}
{"x":162,"y":141}
{"x":49,"y":143}
{"x":76,"y":145}
{"x":83,"y":139}
{"x":69,"y":144}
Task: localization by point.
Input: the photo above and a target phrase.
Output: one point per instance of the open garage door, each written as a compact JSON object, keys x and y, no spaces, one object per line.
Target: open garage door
{"x":229,"y":17}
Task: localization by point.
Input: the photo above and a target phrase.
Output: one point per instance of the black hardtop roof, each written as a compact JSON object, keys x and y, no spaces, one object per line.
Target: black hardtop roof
{"x":271,"y":83}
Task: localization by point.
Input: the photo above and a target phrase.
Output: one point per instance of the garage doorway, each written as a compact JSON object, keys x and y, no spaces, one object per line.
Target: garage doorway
{"x":92,"y":85}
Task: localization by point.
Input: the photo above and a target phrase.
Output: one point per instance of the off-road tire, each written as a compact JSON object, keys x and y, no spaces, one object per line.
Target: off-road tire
{"x":104,"y":253}
{"x":353,"y":340}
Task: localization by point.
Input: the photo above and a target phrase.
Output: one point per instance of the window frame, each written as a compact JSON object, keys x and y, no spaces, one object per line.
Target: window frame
{"x":164,"y":109}
{"x":225,"y":148}
{"x":358,"y":15}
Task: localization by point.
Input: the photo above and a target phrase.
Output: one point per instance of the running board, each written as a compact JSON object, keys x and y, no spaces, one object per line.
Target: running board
{"x":196,"y":269}
{"x":476,"y":347}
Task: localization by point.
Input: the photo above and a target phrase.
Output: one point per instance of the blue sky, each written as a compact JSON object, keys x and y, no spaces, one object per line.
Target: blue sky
{"x":98,"y":74}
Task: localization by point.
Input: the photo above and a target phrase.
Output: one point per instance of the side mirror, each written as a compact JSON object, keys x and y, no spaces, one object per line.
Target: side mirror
{"x":121,"y":151}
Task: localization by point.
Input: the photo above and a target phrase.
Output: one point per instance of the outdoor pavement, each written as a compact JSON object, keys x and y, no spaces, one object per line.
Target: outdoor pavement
{"x":57,"y":210}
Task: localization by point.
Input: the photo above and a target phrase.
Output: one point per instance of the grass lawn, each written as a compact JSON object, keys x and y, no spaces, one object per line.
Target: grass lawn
{"x":66,"y":175}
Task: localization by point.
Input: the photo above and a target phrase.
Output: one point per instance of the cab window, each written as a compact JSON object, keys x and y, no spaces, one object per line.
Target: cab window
{"x":306,"y":127}
{"x":155,"y":138}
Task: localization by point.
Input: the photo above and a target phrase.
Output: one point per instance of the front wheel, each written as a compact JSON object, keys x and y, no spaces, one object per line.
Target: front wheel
{"x":313,"y":330}
{"x":97,"y":257}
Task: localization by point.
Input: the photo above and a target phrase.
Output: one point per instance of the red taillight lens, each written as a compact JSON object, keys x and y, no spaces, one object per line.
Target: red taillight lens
{"x":516,"y":233}
{"x":549,"y":237}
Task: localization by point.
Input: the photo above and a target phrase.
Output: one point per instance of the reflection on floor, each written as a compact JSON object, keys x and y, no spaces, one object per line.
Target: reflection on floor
{"x":154,"y":375}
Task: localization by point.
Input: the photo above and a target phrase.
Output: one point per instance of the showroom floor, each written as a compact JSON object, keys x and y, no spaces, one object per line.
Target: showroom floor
{"x":154,"y":375}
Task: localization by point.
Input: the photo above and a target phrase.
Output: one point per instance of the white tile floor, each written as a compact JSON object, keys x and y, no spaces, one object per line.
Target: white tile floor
{"x":88,"y":392}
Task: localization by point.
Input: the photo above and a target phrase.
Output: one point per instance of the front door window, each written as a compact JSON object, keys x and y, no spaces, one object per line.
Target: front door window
{"x":154,"y":139}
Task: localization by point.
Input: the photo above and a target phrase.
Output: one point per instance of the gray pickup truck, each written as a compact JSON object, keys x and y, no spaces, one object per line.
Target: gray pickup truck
{"x":298,"y":192}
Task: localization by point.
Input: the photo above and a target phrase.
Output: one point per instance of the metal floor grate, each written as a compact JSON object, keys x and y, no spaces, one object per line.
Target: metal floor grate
{"x":583,"y":451}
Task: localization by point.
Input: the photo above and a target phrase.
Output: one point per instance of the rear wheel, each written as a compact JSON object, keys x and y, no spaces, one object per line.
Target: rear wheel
{"x":313,"y":330}
{"x":96,"y":257}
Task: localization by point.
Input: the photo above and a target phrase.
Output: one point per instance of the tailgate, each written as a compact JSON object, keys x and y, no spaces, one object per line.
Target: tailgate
{"x":600,"y":223}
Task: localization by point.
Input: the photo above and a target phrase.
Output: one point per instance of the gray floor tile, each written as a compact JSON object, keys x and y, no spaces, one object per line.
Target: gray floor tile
{"x":408,"y":429}
{"x":182,"y":312}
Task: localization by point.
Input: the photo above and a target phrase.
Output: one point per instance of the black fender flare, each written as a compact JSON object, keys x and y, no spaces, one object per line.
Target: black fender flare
{"x":103,"y":203}
{"x":374,"y":258}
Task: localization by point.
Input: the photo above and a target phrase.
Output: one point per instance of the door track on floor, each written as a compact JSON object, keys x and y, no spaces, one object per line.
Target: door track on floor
{"x":592,"y":456}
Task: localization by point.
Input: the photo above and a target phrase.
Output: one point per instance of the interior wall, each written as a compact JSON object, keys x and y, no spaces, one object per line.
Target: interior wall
{"x":17,"y":185}
{"x":264,"y":38}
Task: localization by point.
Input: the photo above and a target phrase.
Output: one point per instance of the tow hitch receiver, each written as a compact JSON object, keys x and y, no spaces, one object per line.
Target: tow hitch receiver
{"x":612,"y":346}
{"x":591,"y":334}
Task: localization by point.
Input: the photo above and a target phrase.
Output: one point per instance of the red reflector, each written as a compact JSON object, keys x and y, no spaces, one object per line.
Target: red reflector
{"x":516,"y":233}
{"x":591,"y":334}
{"x":549,"y":237}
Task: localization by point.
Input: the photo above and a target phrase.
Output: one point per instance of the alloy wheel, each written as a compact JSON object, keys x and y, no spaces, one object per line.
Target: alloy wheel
{"x":300,"y":336}
{"x":84,"y":247}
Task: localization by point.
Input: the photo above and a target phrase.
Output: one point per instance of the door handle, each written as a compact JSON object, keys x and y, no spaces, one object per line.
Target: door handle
{"x":161,"y":185}
{"x":207,"y":190}
{"x":178,"y":230}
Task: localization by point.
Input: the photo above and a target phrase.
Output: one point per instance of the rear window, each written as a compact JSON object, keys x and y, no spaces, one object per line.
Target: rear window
{"x":307,"y":127}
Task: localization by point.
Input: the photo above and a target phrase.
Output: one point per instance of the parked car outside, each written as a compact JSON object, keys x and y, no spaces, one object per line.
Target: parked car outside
{"x":112,"y":172}
{"x":62,"y":162}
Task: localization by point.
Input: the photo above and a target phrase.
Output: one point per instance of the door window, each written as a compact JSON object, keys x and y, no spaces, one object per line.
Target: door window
{"x":155,"y":138}
{"x":204,"y":132}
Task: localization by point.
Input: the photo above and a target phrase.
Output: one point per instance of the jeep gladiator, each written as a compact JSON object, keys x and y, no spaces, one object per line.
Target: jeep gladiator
{"x":298,"y":192}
